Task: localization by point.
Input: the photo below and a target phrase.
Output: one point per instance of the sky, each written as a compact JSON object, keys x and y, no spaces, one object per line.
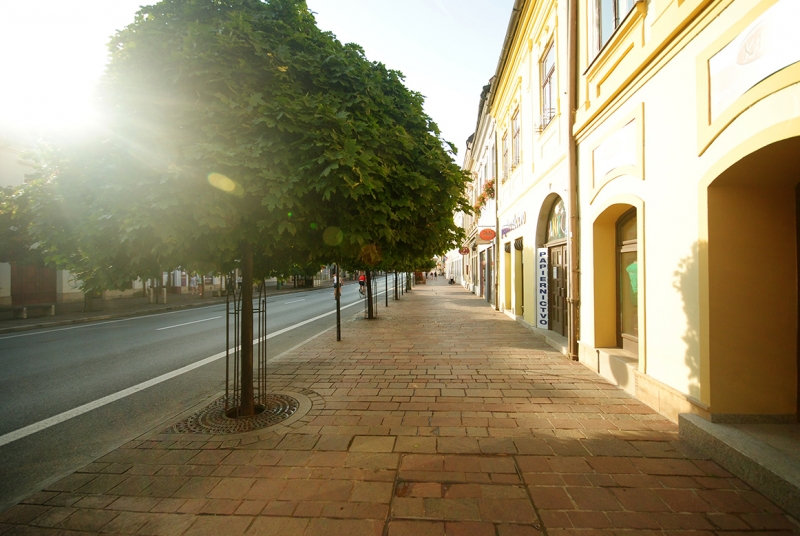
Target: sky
{"x":52,"y":52}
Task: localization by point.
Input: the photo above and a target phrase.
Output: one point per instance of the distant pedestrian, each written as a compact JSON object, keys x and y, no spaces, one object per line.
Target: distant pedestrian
{"x":436,"y":275}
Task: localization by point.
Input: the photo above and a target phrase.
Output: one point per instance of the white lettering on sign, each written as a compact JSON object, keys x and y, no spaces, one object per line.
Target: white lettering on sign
{"x":542,"y":309}
{"x":514,"y":223}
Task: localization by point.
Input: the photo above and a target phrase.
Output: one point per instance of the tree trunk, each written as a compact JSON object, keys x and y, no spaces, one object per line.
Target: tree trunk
{"x":395,"y":285}
{"x":247,"y":407}
{"x":88,"y":304}
{"x":370,"y":310}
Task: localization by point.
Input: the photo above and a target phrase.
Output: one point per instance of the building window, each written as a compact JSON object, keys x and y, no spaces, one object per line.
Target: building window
{"x":557,"y":222}
{"x":609,"y":15}
{"x":505,"y":156}
{"x":547,"y":69}
{"x":493,"y":167}
{"x":628,"y":283}
{"x":515,"y":150}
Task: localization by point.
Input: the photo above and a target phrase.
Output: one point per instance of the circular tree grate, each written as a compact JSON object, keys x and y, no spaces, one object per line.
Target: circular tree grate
{"x":212,"y":418}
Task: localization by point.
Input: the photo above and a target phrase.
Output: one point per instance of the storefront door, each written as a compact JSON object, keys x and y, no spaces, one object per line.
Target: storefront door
{"x":557,"y":288}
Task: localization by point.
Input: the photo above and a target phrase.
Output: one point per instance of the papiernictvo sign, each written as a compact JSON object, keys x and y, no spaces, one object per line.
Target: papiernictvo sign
{"x":542,"y":303}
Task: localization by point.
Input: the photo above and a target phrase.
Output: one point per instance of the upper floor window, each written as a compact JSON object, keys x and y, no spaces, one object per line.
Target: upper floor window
{"x":505,"y":155}
{"x":609,"y":15}
{"x":493,"y":164}
{"x":547,"y":68}
{"x":515,"y":149}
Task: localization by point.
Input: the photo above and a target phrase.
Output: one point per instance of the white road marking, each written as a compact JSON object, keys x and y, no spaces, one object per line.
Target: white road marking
{"x":92,"y":324}
{"x":294,"y":301}
{"x":80,"y":410}
{"x":187,"y":323}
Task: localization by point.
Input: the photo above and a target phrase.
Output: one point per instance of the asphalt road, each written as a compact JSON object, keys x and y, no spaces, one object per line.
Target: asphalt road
{"x":45,"y":373}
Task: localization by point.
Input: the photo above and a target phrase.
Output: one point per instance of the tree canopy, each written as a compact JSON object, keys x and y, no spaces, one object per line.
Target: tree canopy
{"x":232,"y":124}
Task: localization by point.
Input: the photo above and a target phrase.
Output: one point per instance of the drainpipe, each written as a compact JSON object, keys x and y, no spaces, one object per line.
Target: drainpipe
{"x":574,"y":297}
{"x":497,"y":226}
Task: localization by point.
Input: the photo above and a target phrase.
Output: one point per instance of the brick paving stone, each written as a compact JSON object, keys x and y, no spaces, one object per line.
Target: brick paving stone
{"x":22,"y":513}
{"x":127,"y":523}
{"x":415,"y":444}
{"x":168,"y":506}
{"x":372,"y":444}
{"x":351,"y":527}
{"x":220,"y":507}
{"x":166,"y":524}
{"x":372,"y":492}
{"x":214,"y":526}
{"x":134,"y":504}
{"x":88,"y":520}
{"x":469,"y":528}
{"x":231,"y":488}
{"x":446,"y":419}
{"x":71,"y":482}
{"x":52,"y":517}
{"x":416,"y":528}
{"x":458,"y":445}
{"x":278,"y":526}
{"x":517,"y":530}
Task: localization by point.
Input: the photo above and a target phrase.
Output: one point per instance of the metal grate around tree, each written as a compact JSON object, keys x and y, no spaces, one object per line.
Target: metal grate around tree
{"x":233,"y":388}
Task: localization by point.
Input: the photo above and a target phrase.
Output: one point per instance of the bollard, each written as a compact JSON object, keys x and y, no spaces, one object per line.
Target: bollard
{"x":164,"y":295}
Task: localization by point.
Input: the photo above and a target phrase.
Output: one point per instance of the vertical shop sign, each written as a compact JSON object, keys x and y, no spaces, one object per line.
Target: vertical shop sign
{"x":542,"y":319}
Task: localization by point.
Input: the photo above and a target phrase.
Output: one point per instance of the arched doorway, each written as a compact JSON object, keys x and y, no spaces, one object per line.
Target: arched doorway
{"x":751,"y":354}
{"x":618,"y":277}
{"x":556,"y":244}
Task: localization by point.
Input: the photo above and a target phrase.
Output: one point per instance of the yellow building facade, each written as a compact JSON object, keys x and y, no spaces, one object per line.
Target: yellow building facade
{"x":531,"y":139}
{"x":684,"y":117}
{"x":687,"y":124}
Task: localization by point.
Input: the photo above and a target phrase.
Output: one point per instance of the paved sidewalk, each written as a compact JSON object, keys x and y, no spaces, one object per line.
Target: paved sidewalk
{"x":441,"y":417}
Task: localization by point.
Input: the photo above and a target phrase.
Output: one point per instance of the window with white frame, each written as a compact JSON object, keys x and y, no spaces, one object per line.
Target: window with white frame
{"x":515,"y":146}
{"x":505,"y":155}
{"x":609,"y":14}
{"x":547,"y":69}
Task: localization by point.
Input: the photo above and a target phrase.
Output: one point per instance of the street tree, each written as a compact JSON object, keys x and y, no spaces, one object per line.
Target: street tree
{"x":238,"y":134}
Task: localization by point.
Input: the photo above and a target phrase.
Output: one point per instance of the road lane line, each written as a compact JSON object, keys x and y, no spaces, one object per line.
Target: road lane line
{"x":100,"y":402}
{"x":293,"y":301}
{"x":93,"y":324}
{"x":80,"y":410}
{"x":187,"y":323}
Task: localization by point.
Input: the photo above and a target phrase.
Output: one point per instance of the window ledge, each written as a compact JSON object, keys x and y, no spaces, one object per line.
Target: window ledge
{"x":617,"y":39}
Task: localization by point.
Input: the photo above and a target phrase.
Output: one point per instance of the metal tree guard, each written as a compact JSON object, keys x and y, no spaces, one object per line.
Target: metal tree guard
{"x":233,"y":310}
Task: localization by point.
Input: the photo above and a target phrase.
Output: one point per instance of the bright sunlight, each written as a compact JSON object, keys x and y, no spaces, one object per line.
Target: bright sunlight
{"x":51,"y":55}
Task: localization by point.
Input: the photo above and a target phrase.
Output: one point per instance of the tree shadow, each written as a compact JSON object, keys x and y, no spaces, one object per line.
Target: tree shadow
{"x":686,"y":280}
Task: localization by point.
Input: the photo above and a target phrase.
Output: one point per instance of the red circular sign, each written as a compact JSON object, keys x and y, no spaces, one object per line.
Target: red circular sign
{"x":487,"y":234}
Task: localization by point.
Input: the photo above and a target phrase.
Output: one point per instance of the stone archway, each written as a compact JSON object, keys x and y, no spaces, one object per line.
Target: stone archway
{"x":752,"y":281}
{"x":551,"y":234}
{"x":618,"y":278}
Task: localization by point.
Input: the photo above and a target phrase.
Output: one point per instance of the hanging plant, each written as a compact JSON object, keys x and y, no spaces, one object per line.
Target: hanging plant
{"x":488,"y":189}
{"x":480,"y":202}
